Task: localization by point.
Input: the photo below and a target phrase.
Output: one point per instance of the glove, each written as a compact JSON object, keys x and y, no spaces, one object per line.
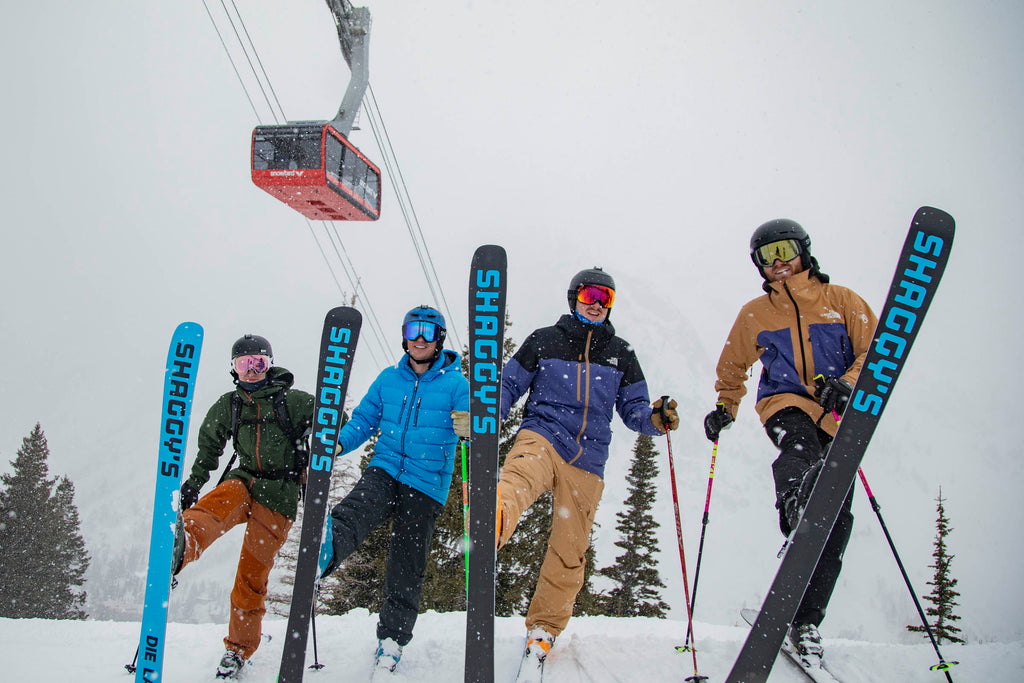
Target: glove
{"x":834,"y":394}
{"x":460,"y":423}
{"x":716,"y":421}
{"x":189,"y":495}
{"x":664,"y":414}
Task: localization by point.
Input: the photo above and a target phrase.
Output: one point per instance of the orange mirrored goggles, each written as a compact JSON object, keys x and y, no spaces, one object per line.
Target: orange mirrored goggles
{"x":783,"y":250}
{"x":590,"y":294}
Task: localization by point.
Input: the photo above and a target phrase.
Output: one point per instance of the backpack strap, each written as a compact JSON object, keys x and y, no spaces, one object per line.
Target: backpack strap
{"x":284,"y":421}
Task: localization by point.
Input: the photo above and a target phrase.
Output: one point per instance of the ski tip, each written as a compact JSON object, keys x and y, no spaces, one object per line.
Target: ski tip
{"x":188,"y":329}
{"x":934,"y":217}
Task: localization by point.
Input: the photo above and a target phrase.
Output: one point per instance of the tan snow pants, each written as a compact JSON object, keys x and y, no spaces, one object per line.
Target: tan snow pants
{"x":226,"y":506}
{"x":531,"y":468}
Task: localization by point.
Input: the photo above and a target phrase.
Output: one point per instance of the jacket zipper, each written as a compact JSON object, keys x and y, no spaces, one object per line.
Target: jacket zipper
{"x":405,"y":429}
{"x":586,"y":394}
{"x":800,"y":333}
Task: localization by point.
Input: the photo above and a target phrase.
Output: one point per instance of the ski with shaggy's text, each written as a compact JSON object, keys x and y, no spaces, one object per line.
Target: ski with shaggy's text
{"x":176,"y":403}
{"x":487,"y":292}
{"x":337,"y":348}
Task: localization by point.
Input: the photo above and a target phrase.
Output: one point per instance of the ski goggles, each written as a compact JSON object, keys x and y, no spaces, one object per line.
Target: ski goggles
{"x":782,"y":250}
{"x":257,"y":364}
{"x":596,"y":294}
{"x":420,"y":328}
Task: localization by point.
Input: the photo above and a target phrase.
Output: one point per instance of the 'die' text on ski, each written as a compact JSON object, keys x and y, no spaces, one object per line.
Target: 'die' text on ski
{"x":900,"y":321}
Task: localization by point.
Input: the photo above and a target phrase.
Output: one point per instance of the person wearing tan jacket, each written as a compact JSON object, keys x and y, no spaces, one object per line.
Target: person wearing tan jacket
{"x":811,"y":338}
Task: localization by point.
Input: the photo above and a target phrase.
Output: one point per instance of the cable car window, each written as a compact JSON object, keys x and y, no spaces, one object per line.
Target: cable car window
{"x":291,"y":148}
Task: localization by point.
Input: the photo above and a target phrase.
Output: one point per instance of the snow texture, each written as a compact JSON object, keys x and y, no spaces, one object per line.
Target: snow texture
{"x":591,"y":649}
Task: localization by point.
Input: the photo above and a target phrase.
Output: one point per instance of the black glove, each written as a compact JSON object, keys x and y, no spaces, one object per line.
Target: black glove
{"x":717,"y":420}
{"x":189,"y":495}
{"x":792,"y":502}
{"x":834,"y":394}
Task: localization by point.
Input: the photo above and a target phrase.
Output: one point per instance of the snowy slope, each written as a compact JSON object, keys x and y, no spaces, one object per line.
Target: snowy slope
{"x":591,"y":649}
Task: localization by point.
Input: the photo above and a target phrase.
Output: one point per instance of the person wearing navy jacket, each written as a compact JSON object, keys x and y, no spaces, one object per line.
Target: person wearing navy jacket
{"x":577,"y":374}
{"x":418,"y":408}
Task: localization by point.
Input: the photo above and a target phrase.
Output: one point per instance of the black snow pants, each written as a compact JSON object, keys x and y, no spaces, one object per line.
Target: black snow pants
{"x":375,"y":499}
{"x":801,"y":444}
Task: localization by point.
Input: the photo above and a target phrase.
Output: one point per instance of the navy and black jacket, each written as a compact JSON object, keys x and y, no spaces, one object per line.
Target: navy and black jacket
{"x":577,"y":375}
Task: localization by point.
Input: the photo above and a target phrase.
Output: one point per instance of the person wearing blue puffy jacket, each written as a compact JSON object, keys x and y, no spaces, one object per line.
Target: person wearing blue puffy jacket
{"x":418,"y":408}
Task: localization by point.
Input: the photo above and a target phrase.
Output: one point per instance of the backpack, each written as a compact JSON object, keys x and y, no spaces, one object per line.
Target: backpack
{"x":300,"y":440}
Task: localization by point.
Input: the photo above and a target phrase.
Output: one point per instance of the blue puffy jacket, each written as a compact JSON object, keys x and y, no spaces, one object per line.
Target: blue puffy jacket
{"x":412,"y":412}
{"x":578,"y":376}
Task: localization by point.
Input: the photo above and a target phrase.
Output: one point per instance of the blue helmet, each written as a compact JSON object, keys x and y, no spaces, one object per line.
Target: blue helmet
{"x":425,"y":314}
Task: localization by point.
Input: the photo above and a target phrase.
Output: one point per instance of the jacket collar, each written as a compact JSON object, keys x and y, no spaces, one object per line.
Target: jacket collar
{"x":576,"y":329}
{"x":798,"y":284}
{"x":445,"y":359}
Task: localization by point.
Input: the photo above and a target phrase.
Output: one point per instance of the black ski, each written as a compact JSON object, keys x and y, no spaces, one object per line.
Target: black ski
{"x":487,"y":290}
{"x":337,"y":347}
{"x":818,"y":675}
{"x":920,"y":268}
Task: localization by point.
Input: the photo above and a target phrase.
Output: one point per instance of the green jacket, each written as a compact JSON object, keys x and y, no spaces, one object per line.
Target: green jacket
{"x":263,"y":446}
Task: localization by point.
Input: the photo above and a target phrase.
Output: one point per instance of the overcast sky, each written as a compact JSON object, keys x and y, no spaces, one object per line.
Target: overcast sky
{"x":648,"y":137}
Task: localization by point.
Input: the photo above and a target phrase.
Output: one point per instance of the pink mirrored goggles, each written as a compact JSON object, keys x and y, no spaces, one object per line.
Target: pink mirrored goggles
{"x":257,"y":364}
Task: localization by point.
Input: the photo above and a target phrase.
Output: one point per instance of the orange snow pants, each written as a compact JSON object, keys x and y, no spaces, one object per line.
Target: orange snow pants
{"x":531,"y":468}
{"x":226,"y":506}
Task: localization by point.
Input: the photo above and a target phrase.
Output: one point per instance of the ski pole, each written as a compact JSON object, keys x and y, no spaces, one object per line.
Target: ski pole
{"x":312,"y":616}
{"x":465,"y":514}
{"x":943,"y":665}
{"x":682,"y":555}
{"x":703,"y":530}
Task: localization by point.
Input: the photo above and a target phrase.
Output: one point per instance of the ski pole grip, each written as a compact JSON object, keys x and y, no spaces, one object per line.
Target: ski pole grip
{"x":664,"y":405}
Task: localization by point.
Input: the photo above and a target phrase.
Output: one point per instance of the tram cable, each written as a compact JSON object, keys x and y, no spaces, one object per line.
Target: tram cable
{"x":357,"y":290}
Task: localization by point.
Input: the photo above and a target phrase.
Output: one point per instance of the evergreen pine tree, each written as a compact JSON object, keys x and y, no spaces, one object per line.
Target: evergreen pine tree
{"x":43,"y":559}
{"x":944,"y":594}
{"x":279,"y":599}
{"x":635,"y":572}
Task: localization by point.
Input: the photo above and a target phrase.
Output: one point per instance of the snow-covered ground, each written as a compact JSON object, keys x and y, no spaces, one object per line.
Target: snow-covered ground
{"x":591,"y":649}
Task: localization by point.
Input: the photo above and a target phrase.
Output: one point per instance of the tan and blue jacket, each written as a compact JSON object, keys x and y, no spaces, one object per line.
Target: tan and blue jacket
{"x":800,"y":329}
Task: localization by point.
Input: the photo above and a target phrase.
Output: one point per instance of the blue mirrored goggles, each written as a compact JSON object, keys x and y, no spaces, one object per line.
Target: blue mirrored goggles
{"x":415,"y":329}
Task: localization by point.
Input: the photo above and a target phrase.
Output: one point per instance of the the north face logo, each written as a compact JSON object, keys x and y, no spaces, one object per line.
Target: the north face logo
{"x":613,"y":361}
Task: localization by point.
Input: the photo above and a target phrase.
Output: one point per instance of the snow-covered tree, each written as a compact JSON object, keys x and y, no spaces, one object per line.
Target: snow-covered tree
{"x":43,"y":559}
{"x":635,"y":572}
{"x":944,"y":594}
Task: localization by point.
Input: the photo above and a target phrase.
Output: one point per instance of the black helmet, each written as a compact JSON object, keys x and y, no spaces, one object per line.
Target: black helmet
{"x":252,"y":345}
{"x":590,"y":276}
{"x":428,"y":314}
{"x":785,"y":229}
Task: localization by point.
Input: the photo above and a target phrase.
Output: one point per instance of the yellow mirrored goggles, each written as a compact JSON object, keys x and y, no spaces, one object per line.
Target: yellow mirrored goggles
{"x":783,"y":250}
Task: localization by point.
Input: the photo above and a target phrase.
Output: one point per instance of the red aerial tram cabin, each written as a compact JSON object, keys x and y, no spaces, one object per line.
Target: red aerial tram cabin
{"x":313,"y":168}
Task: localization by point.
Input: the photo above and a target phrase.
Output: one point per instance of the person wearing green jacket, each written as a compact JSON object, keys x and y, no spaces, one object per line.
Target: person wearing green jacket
{"x":266,"y":420}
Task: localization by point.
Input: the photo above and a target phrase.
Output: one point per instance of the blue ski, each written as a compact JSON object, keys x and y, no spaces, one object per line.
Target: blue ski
{"x":176,"y":402}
